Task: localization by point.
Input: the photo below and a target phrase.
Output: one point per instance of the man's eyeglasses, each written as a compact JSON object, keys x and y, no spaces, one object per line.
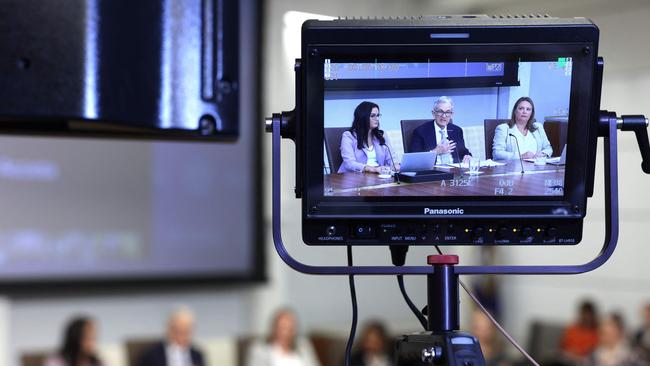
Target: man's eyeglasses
{"x":441,"y":113}
{"x":373,"y":115}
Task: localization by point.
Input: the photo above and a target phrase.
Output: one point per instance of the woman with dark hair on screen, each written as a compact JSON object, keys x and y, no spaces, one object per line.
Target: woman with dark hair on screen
{"x":79,"y":345}
{"x":364,"y":147}
{"x":530,"y":135}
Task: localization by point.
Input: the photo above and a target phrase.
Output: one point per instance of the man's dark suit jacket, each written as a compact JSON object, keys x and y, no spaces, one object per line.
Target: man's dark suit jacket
{"x":424,"y":139}
{"x":157,"y":356}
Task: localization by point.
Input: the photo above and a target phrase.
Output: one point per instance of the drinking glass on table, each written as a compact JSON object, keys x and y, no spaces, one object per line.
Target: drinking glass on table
{"x":474,"y":165}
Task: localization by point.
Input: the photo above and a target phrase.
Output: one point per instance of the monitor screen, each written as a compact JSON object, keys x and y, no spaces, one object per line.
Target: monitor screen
{"x":424,"y":129}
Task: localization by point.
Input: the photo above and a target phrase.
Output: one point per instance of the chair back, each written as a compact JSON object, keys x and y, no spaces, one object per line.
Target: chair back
{"x":333,"y":147}
{"x":556,"y":132}
{"x":329,"y":349}
{"x":244,"y":344}
{"x":136,"y":348}
{"x":34,"y":358}
{"x":408,"y":125}
{"x":544,"y":341}
{"x":489,"y":125}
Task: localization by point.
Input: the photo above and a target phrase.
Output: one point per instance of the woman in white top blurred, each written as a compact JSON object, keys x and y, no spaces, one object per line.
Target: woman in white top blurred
{"x":283,"y":347}
{"x":530,"y":135}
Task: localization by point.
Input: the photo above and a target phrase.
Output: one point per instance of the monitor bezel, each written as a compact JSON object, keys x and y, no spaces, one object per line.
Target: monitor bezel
{"x":572,"y":204}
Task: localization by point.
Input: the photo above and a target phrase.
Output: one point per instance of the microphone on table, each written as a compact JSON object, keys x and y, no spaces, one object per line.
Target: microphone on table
{"x":396,"y":175}
{"x":518,"y":153}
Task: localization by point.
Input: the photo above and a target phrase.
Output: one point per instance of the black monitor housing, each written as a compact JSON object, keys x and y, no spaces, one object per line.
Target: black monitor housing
{"x":152,"y":69}
{"x":378,"y":59}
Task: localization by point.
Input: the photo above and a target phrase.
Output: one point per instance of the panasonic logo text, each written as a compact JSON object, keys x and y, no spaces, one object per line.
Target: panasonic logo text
{"x":443,"y":211}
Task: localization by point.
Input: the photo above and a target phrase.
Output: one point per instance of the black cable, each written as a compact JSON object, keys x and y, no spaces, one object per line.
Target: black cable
{"x":353,"y":297}
{"x":398,"y":257}
{"x":414,"y":309}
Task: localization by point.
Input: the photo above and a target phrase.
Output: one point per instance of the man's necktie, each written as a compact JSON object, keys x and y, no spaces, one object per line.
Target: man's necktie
{"x":444,"y":158}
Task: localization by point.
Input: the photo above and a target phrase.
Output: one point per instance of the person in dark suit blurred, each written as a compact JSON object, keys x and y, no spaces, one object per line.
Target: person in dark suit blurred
{"x":441,"y":135}
{"x":177,"y":349}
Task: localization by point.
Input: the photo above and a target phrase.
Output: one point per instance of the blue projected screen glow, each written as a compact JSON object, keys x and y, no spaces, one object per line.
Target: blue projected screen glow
{"x":470,"y":120}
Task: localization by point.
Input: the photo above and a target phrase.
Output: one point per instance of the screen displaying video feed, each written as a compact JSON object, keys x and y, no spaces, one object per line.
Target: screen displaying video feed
{"x":425,"y":129}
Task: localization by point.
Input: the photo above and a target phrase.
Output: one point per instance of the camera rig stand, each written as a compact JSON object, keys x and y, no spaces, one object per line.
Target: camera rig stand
{"x":442,"y":343}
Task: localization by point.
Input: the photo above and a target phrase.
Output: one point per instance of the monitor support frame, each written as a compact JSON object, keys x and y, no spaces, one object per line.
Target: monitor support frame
{"x":608,"y":123}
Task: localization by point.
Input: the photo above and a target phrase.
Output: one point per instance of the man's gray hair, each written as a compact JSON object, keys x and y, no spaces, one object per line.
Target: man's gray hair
{"x":181,"y":312}
{"x":443,"y":99}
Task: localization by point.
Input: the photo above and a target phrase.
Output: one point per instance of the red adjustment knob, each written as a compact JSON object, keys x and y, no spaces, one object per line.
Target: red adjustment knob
{"x":449,"y":259}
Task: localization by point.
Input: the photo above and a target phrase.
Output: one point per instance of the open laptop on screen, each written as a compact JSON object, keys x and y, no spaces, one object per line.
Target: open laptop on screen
{"x":419,"y":161}
{"x":558,"y":160}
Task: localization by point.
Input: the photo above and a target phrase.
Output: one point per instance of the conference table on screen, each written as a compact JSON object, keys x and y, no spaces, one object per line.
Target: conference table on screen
{"x":503,"y":180}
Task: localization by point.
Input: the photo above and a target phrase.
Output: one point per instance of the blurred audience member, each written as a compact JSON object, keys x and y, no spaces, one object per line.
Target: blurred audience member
{"x":488,"y":288}
{"x":375,"y":348}
{"x":79,"y":345}
{"x":613,"y":349}
{"x":581,"y":338}
{"x":177,"y":349}
{"x":486,"y":333}
{"x":642,"y":336}
{"x":283,"y":346}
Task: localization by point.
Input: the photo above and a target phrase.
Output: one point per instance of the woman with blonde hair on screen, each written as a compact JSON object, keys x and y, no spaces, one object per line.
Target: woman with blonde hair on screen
{"x":529,"y":139}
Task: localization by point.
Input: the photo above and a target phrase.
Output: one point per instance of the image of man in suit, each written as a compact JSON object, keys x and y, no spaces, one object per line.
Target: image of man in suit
{"x":441,"y":135}
{"x":177,"y":348}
